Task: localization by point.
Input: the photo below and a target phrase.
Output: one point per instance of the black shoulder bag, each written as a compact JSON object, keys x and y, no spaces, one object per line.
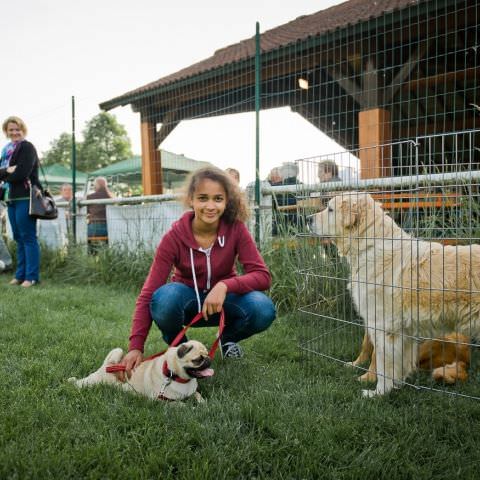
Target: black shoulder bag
{"x":42,"y":204}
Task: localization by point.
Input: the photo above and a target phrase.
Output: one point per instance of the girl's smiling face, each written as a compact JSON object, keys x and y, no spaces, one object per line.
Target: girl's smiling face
{"x":208,"y":201}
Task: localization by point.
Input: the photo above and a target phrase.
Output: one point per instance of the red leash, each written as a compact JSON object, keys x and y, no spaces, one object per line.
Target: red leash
{"x":221,"y":325}
{"x":197,"y":318}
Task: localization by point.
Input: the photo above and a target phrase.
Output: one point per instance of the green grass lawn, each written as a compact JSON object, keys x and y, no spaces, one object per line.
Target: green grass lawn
{"x":275,"y":414}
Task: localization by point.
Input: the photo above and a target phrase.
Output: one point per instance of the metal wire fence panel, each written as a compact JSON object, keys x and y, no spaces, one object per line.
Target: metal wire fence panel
{"x":397,"y":90}
{"x":401,"y":73}
{"x":393,"y":287}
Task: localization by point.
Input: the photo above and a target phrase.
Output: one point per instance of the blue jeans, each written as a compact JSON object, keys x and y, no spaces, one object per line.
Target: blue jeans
{"x":24,"y":229}
{"x":97,"y":230}
{"x":174,"y":305}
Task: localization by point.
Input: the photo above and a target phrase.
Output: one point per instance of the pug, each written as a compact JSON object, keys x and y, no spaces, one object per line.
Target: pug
{"x":170,"y":376}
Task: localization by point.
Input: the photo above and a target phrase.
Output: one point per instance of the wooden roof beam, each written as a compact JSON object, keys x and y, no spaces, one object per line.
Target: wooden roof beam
{"x":443,"y":78}
{"x":170,"y":121}
{"x":351,"y":87}
{"x":405,"y":71}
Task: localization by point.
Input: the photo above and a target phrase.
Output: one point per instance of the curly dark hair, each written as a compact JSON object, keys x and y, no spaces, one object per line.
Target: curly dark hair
{"x":236,"y":208}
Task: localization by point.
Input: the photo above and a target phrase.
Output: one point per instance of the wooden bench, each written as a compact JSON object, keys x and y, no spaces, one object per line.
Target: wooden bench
{"x":98,"y":239}
{"x":96,"y":243}
{"x":405,"y":201}
{"x":288,"y":208}
{"x":389,"y":201}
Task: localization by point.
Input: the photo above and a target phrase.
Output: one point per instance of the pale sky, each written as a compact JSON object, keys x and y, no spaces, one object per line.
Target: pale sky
{"x":99,"y":49}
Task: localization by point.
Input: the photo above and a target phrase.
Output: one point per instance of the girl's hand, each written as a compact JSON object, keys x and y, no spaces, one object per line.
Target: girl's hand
{"x":131,"y":361}
{"x":11,"y":169}
{"x":214,"y":301}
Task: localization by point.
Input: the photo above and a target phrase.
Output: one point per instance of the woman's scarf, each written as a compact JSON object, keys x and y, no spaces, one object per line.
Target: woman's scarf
{"x":7,"y":152}
{"x":5,"y":156}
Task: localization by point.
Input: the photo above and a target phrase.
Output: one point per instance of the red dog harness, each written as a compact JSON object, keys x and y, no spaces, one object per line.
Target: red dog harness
{"x":121,"y":368}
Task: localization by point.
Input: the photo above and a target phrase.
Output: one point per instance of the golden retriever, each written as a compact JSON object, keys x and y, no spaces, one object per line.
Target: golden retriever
{"x":403,"y":288}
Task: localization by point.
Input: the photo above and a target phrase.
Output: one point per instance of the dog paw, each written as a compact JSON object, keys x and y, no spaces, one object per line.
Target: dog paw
{"x":72,"y":379}
{"x":374,"y":393}
{"x":350,"y":364}
{"x":369,"y":393}
{"x":199,"y":398}
{"x":367,"y":377}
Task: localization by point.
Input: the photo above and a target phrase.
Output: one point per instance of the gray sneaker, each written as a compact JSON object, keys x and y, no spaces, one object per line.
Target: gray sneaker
{"x":232,"y":350}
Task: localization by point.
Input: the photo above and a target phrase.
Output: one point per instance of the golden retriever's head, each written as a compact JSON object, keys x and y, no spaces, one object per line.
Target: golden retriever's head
{"x":344,"y":215}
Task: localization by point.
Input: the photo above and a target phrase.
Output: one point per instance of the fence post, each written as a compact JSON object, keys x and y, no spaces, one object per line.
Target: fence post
{"x":257,"y":133}
{"x":74,"y":177}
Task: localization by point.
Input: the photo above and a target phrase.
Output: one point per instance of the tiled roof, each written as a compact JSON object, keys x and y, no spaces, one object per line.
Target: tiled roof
{"x":338,"y":16}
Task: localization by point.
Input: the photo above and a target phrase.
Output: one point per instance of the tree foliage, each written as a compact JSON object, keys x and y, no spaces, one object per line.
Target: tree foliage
{"x":105,"y":141}
{"x":60,"y":151}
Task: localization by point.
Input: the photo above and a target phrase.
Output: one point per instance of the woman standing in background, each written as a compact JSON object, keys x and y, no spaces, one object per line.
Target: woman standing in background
{"x":18,"y":171}
{"x":97,"y":214}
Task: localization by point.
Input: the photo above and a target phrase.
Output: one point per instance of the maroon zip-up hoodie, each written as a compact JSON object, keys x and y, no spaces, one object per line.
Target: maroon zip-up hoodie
{"x":178,"y":247}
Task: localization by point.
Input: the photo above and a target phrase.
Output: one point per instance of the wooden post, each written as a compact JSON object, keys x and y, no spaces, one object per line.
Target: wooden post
{"x":375,"y":133}
{"x":152,"y":179}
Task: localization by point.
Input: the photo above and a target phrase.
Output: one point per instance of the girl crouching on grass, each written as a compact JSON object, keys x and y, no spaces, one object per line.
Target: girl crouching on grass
{"x":202,"y":247}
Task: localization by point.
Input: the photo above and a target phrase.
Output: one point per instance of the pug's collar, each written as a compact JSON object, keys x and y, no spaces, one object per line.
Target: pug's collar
{"x":172,"y":376}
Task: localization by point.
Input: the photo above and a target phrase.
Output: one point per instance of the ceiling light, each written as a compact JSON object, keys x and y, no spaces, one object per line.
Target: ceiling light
{"x":303,"y":83}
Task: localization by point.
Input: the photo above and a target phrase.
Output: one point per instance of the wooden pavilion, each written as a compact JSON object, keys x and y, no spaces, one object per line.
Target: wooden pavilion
{"x":369,"y":74}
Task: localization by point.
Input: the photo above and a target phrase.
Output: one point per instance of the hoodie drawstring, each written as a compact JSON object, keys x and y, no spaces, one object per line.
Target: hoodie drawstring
{"x":221,"y":242}
{"x":195,"y":281}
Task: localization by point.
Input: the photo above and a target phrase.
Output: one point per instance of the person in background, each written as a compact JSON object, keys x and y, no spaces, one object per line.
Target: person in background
{"x":202,"y":246}
{"x":66,"y":193}
{"x":234,"y":173}
{"x":289,"y":173}
{"x":274,"y":177}
{"x":328,"y":171}
{"x":5,"y":257}
{"x":284,"y":212}
{"x":18,"y":171}
{"x":97,"y":214}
